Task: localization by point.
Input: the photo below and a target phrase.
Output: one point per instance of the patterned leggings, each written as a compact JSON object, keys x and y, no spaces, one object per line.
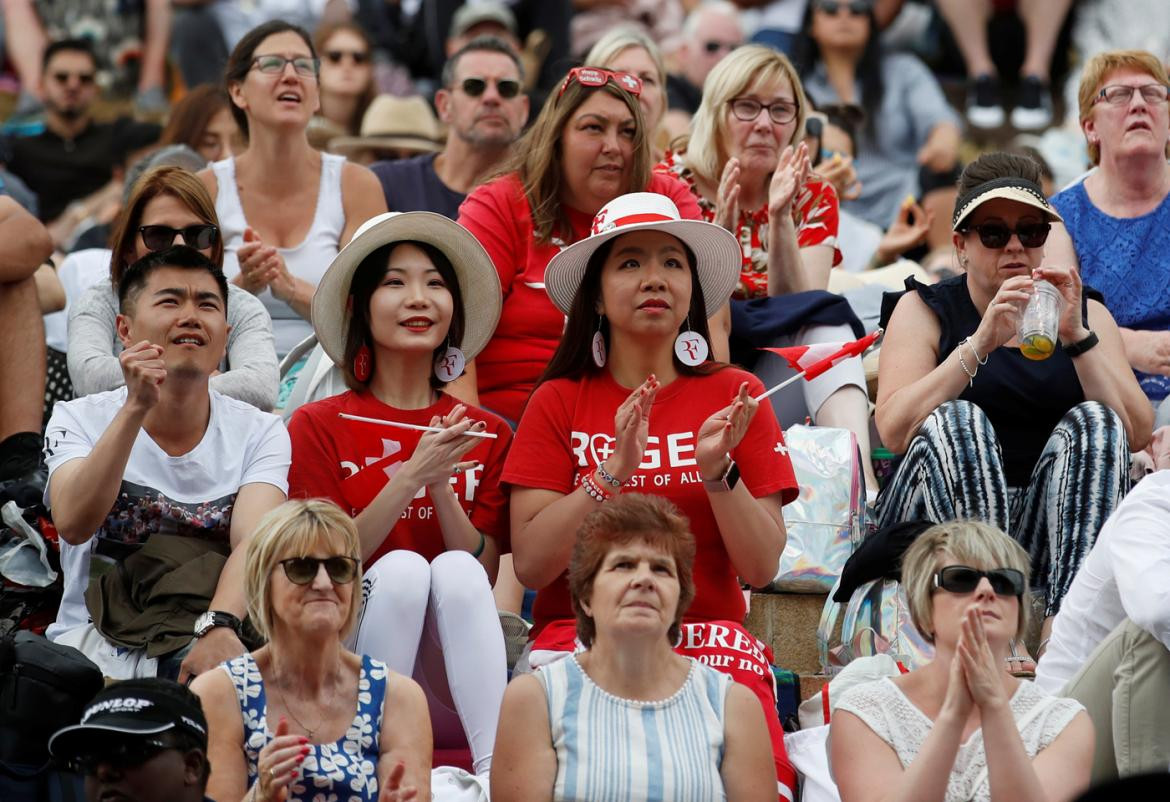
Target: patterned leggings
{"x":954,"y":470}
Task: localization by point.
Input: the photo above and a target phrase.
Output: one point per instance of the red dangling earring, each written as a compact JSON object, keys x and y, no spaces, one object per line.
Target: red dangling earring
{"x":362,"y":364}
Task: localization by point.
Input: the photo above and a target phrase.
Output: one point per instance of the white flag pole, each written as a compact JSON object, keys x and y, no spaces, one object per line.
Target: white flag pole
{"x":414,"y":426}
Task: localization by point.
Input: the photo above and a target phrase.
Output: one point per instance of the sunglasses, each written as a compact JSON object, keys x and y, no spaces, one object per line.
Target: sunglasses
{"x":963,"y":579}
{"x":358,"y":57}
{"x":858,"y":8}
{"x":594,"y":76}
{"x":200,"y":236}
{"x":713,"y":46}
{"x":747,"y":110}
{"x":303,"y":570}
{"x":83,"y":78}
{"x":997,"y":235}
{"x":274,"y":65}
{"x":1120,"y":94}
{"x":474,"y":87}
{"x":118,"y":753}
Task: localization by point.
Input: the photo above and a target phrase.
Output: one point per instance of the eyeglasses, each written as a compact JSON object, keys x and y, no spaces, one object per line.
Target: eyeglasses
{"x":83,"y":78}
{"x":594,"y":76}
{"x":200,"y":236}
{"x":997,"y":235}
{"x":474,"y":87}
{"x":1120,"y":94}
{"x":964,"y":579}
{"x":713,"y":46}
{"x":303,"y":570}
{"x":747,"y":109}
{"x":858,"y":8}
{"x":274,"y":65}
{"x":359,"y":57}
{"x":120,"y":753}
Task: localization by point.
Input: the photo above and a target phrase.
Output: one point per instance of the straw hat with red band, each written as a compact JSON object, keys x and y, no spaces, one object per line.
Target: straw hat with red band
{"x":717,"y":253}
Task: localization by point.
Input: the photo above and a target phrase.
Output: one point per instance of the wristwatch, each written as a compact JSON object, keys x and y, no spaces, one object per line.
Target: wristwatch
{"x":724,"y":483}
{"x":1076,"y":349}
{"x":216,"y":618}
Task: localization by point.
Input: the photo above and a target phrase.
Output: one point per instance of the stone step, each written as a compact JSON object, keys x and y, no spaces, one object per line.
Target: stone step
{"x":787,"y":622}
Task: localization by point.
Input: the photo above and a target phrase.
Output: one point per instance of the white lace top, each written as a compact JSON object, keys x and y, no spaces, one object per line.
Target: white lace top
{"x":894,"y":718}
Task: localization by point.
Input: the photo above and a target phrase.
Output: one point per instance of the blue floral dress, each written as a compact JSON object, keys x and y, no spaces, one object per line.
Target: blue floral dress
{"x":342,"y":771}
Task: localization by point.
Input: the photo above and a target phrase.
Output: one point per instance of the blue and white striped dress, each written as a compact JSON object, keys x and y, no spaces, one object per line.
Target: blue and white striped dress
{"x":609,"y":748}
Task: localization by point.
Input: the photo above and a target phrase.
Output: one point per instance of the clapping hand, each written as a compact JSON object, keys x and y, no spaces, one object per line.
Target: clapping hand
{"x":260,"y":264}
{"x":727,"y":197}
{"x":723,"y":431}
{"x":791,"y":172}
{"x":279,"y":763}
{"x":983,"y":672}
{"x":439,"y":454}
{"x":631,"y":429}
{"x":393,"y":790}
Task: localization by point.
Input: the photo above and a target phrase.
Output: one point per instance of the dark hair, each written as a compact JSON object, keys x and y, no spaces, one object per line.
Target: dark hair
{"x":846,"y":116}
{"x":321,"y":37}
{"x":630,"y":517}
{"x":999,"y":164}
{"x":135,"y":276}
{"x":239,"y":63}
{"x":868,"y":69}
{"x":1030,"y":152}
{"x":191,"y":115}
{"x":573,"y":357}
{"x":367,"y":277}
{"x":480,"y":44}
{"x":68,"y":45}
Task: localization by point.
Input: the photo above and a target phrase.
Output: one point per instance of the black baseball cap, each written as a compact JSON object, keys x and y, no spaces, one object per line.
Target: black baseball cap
{"x":136,"y":707}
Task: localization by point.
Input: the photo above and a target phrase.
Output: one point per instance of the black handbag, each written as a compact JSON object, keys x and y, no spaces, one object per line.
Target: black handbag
{"x":44,"y":686}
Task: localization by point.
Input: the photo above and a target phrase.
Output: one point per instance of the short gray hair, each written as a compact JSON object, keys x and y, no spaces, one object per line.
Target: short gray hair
{"x":169,"y":156}
{"x":480,"y":44}
{"x":723,"y":7}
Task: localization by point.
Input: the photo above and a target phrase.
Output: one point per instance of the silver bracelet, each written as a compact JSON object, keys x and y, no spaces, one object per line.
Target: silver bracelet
{"x":963,"y":365}
{"x":982,"y":360}
{"x":608,"y":477}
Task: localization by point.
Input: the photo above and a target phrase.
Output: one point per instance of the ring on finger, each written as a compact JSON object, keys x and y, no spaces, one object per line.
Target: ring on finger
{"x":458,"y":469}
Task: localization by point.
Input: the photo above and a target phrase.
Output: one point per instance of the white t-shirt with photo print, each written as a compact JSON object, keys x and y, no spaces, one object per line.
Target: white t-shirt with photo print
{"x":191,"y":494}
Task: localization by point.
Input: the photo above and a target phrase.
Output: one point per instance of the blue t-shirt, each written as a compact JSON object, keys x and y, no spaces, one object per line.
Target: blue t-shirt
{"x":1128,"y":260}
{"x":411,"y":185}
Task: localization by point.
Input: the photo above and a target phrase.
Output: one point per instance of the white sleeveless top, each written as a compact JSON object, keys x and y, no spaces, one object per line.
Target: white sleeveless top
{"x":307,"y":261}
{"x":894,"y":718}
{"x":613,"y":748}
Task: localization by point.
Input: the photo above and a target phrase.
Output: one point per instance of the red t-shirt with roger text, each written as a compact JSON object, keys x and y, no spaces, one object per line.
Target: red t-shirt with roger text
{"x":567,"y":430}
{"x":349,"y":462}
{"x":530,"y":327}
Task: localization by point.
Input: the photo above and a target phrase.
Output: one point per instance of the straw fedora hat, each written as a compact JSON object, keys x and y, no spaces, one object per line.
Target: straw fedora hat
{"x":394,"y":122}
{"x":479,"y":285}
{"x":717,"y":253}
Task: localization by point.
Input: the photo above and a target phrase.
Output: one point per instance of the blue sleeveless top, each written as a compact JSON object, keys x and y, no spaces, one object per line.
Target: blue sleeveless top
{"x":1128,"y":260}
{"x":343,"y":771}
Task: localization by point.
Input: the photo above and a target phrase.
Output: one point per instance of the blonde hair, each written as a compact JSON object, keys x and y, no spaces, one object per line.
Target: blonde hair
{"x":972,"y":543}
{"x":1098,"y":68}
{"x":620,"y":39}
{"x":293,"y":530}
{"x":743,"y":67}
{"x":536,"y":158}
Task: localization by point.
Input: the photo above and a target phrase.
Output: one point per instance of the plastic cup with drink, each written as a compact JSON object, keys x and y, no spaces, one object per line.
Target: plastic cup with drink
{"x":1040,"y":321}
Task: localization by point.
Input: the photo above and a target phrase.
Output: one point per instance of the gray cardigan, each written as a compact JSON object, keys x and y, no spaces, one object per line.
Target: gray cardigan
{"x":252,"y":375}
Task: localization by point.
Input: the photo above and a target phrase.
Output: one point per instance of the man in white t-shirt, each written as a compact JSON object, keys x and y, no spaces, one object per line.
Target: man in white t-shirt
{"x":164,"y":454}
{"x":1110,"y":640}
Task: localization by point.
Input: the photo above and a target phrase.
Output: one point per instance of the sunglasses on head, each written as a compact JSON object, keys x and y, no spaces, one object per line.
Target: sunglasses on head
{"x":595,"y":76}
{"x":83,"y":78}
{"x":858,"y":8}
{"x":200,"y":236}
{"x":997,"y":235}
{"x":358,"y":56}
{"x":303,"y":570}
{"x":120,"y":753}
{"x":507,"y":87}
{"x":713,"y":46}
{"x":964,"y":579}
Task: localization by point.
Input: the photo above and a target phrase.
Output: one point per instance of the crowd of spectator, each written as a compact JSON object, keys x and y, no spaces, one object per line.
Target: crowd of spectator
{"x":406,"y":359}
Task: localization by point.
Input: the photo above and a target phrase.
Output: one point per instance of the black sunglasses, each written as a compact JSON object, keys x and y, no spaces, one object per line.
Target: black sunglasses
{"x":200,"y":236}
{"x":964,"y":579}
{"x":83,"y":78}
{"x":335,"y":56}
{"x":507,"y":87}
{"x":121,"y":753}
{"x":713,"y":46}
{"x":302,"y":570}
{"x":858,"y":8}
{"x":997,"y":235}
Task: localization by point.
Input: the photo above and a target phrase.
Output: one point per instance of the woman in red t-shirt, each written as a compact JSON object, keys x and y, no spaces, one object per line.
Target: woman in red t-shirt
{"x":749,"y":171}
{"x":587,"y":147}
{"x":628,"y":401}
{"x":399,"y":310}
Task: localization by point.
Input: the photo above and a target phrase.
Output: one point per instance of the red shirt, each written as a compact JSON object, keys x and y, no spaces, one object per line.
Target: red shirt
{"x":567,"y":430}
{"x":530,"y":327}
{"x":815,"y":212}
{"x":349,"y":462}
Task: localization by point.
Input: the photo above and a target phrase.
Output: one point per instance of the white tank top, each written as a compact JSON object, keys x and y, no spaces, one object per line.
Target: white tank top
{"x":307,"y":261}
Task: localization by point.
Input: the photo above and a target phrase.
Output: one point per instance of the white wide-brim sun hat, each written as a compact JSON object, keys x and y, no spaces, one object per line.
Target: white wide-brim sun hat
{"x":718,"y":257}
{"x":479,"y":285}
